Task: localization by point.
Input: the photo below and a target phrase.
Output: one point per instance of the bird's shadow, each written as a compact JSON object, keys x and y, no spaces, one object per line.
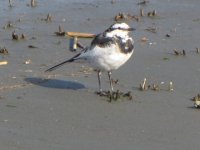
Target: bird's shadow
{"x":55,"y":83}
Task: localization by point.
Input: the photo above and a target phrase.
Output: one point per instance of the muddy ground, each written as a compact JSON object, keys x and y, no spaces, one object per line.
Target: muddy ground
{"x":60,"y":110}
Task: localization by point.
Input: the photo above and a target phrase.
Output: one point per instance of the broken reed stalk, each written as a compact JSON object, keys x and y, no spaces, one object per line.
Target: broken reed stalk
{"x":184,"y":53}
{"x":143,"y":86}
{"x":3,"y":62}
{"x":81,"y":35}
{"x":141,"y":12}
{"x":32,"y":3}
{"x":176,"y":52}
{"x":197,"y":50}
{"x":60,"y":28}
{"x":49,"y":17}
{"x":154,"y":86}
{"x":75,"y":43}
{"x":196,"y":100}
{"x":10,"y":3}
{"x":60,"y":32}
{"x":15,"y":36}
{"x":171,"y":86}
{"x":152,"y":13}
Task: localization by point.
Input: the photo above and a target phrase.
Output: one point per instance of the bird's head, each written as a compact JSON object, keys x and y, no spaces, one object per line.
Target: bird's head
{"x":118,"y":29}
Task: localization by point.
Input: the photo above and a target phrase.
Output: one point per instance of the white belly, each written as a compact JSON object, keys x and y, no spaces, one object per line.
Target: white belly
{"x":106,"y":59}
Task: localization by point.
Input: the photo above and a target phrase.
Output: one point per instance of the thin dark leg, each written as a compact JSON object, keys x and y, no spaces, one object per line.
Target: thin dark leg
{"x":110,"y":80}
{"x":99,"y":80}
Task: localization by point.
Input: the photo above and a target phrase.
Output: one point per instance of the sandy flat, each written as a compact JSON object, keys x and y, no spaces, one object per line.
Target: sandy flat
{"x":60,"y":110}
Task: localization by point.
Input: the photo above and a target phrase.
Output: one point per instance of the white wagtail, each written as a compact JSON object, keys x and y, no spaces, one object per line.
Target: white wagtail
{"x":108,"y":51}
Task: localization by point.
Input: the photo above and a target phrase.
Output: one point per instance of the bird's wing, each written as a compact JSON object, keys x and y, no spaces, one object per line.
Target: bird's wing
{"x":102,"y":41}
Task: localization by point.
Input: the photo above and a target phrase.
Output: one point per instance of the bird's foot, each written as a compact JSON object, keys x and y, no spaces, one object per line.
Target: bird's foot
{"x":112,"y":95}
{"x":102,"y":93}
{"x":115,"y":95}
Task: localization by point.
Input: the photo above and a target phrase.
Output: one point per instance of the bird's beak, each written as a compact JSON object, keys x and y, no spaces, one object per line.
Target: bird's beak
{"x":131,"y":29}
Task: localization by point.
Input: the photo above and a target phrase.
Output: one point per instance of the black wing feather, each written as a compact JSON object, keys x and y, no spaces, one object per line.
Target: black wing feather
{"x":102,"y":41}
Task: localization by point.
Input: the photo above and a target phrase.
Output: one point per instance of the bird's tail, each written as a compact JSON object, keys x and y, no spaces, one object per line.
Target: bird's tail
{"x":62,"y":63}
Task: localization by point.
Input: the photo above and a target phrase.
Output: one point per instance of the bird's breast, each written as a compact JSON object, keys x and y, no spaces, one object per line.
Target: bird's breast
{"x":107,"y":58}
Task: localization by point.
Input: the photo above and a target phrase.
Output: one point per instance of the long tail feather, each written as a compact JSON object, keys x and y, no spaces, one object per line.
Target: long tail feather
{"x":62,"y":63}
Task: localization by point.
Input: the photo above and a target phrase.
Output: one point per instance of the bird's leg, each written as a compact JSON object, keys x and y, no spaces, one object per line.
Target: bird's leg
{"x":110,"y":80}
{"x":111,"y":87}
{"x":99,"y":81}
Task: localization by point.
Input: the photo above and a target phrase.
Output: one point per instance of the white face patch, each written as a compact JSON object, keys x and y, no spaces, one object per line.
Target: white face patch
{"x":119,"y":30}
{"x":118,"y":33}
{"x":120,"y":25}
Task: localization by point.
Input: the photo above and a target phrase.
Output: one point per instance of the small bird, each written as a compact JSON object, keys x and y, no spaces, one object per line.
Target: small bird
{"x":108,"y":51}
